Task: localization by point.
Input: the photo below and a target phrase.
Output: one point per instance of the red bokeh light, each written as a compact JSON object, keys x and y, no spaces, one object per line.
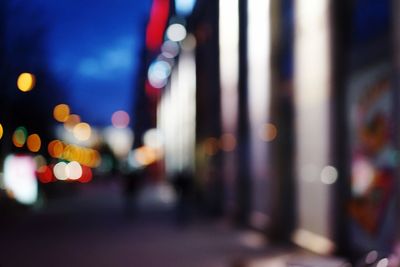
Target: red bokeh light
{"x":86,"y":175}
{"x":45,"y":174}
{"x":157,"y":23}
{"x":152,"y":91}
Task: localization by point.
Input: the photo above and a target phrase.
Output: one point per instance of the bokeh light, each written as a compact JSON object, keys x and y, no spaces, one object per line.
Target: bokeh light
{"x":329,"y":175}
{"x":19,"y":136}
{"x":40,"y":161}
{"x":60,"y":171}
{"x":26,"y":82}
{"x":61,"y":112}
{"x":383,"y":263}
{"x":158,"y":73}
{"x":120,"y":140}
{"x":20,"y":179}
{"x":86,"y":175}
{"x":189,"y":44}
{"x":362,"y":177}
{"x":71,"y":121}
{"x":184,"y":7}
{"x":176,"y":32}
{"x":170,"y":49}
{"x":44,"y":174}
{"x":211,"y":146}
{"x":55,"y":148}
{"x":82,"y":131}
{"x":371,"y":257}
{"x":153,"y":138}
{"x":268,"y":132}
{"x":34,"y":142}
{"x":1,"y":131}
{"x":74,"y":170}
{"x":228,"y":142}
{"x":84,"y":156}
{"x":120,"y":119}
{"x":145,"y":155}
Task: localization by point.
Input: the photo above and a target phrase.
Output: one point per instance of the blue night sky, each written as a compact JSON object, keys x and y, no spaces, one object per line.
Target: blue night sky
{"x":94,"y":47}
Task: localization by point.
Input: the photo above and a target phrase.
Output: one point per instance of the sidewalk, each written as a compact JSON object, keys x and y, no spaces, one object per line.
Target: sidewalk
{"x":90,"y":230}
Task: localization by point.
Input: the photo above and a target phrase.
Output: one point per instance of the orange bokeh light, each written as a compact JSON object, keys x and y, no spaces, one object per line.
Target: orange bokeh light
{"x":34,"y":143}
{"x":145,"y":155}
{"x":61,"y":112}
{"x":268,"y":132}
{"x":55,"y":148}
{"x":211,"y":146}
{"x":228,"y":142}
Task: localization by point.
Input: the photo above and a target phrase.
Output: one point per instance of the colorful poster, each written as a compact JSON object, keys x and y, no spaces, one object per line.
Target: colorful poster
{"x":373,"y":158}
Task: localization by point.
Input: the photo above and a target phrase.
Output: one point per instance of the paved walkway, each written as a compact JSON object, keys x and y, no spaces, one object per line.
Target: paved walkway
{"x":89,"y":229}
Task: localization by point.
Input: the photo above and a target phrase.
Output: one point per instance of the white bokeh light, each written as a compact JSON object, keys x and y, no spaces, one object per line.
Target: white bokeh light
{"x":329,"y":175}
{"x":153,"y":138}
{"x":176,"y":32}
{"x":120,"y":140}
{"x":60,"y":171}
{"x":19,"y":178}
{"x":158,"y":73}
{"x":170,"y":49}
{"x":74,"y":170}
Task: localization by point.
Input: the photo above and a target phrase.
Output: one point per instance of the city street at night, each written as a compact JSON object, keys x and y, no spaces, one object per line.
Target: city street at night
{"x":200,"y":133}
